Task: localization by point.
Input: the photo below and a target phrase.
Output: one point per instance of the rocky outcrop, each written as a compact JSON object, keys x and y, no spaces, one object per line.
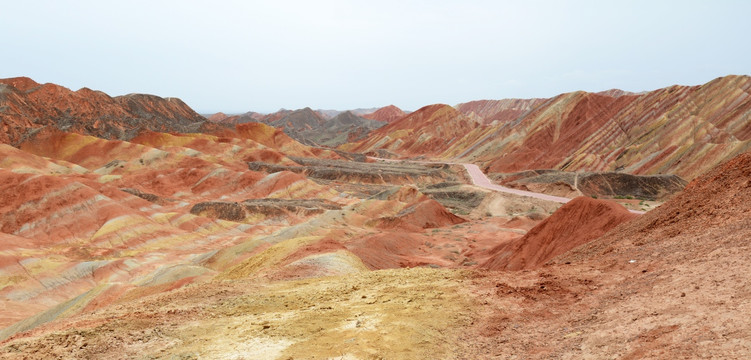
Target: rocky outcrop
{"x":146,"y":196}
{"x":231,"y":211}
{"x":648,"y":187}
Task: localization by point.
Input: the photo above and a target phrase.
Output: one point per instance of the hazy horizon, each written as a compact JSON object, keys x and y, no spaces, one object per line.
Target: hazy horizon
{"x":235,"y":56}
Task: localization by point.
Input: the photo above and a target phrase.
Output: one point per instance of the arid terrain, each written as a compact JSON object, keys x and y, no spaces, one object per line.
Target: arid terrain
{"x":588,"y":225}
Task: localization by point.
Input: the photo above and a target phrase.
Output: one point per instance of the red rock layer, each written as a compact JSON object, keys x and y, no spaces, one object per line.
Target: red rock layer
{"x":85,"y":215}
{"x":581,"y":220}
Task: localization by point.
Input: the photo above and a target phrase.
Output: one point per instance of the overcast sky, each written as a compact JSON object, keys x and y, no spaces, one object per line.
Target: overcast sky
{"x":236,"y":56}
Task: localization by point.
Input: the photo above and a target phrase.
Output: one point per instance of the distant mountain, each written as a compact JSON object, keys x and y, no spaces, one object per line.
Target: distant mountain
{"x":363,"y":111}
{"x":488,"y":111}
{"x":218,"y":117}
{"x":299,"y":120}
{"x":310,"y":127}
{"x":427,"y":131}
{"x":247,"y":117}
{"x":328,"y":114}
{"x":26,"y":106}
{"x":387,"y":114}
{"x":345,"y":127}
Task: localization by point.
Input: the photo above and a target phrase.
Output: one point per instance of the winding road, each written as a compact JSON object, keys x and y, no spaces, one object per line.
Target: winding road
{"x":480,"y":179}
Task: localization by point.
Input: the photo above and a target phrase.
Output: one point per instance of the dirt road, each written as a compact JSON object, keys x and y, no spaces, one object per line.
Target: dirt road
{"x":480,"y":179}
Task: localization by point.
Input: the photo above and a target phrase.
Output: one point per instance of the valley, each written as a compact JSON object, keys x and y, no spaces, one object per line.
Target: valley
{"x":587,"y":225}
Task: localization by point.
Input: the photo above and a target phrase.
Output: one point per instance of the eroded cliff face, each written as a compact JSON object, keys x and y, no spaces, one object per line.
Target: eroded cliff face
{"x":26,"y":106}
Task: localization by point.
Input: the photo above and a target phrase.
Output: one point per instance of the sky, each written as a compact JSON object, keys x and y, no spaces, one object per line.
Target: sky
{"x":238,"y":56}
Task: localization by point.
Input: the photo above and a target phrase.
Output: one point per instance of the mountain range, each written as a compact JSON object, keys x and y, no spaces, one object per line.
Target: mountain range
{"x":682,"y":130}
{"x":26,"y":107}
{"x":133,"y":227}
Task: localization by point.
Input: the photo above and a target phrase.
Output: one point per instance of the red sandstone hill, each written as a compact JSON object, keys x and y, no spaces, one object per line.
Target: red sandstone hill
{"x":26,"y":106}
{"x":388,"y":114}
{"x":579,"y":221}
